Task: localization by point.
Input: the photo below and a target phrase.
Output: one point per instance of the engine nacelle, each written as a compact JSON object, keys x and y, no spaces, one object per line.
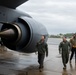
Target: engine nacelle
{"x":23,"y":34}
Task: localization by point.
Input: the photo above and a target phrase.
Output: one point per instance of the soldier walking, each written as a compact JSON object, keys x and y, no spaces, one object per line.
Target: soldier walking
{"x":64,"y":47}
{"x":42,"y":49}
{"x":73,"y":49}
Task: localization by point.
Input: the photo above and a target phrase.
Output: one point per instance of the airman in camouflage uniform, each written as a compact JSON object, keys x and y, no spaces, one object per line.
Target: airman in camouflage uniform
{"x":42,"y":49}
{"x":64,"y":46}
{"x":73,"y":50}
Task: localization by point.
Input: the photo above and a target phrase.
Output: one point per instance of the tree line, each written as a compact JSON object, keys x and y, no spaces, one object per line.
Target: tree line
{"x":67,"y":35}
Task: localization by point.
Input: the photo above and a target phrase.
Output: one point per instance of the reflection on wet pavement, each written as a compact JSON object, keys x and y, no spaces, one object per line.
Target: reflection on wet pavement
{"x":65,"y":72}
{"x":15,"y":63}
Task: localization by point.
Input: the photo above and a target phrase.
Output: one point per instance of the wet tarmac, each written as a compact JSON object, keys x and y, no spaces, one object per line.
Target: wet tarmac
{"x":15,"y":63}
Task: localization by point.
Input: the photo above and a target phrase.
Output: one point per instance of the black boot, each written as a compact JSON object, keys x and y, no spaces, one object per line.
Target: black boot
{"x":64,"y":66}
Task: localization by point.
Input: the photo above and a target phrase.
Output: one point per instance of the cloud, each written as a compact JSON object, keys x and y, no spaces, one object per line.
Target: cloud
{"x":58,"y":16}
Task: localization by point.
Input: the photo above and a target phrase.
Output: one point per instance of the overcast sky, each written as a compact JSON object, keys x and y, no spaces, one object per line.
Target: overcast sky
{"x":58,"y":16}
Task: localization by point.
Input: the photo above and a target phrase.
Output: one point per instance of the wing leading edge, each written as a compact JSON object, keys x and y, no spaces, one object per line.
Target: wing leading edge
{"x":11,"y":3}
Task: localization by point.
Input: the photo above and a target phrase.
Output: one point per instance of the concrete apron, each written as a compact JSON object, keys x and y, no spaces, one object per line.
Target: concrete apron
{"x":15,"y":63}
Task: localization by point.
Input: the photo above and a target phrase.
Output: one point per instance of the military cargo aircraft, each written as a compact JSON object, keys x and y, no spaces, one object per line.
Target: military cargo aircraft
{"x":18,"y":30}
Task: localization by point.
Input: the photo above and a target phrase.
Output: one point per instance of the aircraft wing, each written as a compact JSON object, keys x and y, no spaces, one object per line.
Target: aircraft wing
{"x":11,"y":3}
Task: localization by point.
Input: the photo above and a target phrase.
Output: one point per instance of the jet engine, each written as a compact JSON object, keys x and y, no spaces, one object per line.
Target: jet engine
{"x":22,"y":34}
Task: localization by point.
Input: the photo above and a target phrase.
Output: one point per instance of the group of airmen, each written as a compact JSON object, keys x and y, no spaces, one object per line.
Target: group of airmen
{"x":65,"y":47}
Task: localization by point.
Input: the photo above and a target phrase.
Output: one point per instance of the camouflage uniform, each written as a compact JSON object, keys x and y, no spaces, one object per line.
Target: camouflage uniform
{"x":42,"y":49}
{"x":64,"y":47}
